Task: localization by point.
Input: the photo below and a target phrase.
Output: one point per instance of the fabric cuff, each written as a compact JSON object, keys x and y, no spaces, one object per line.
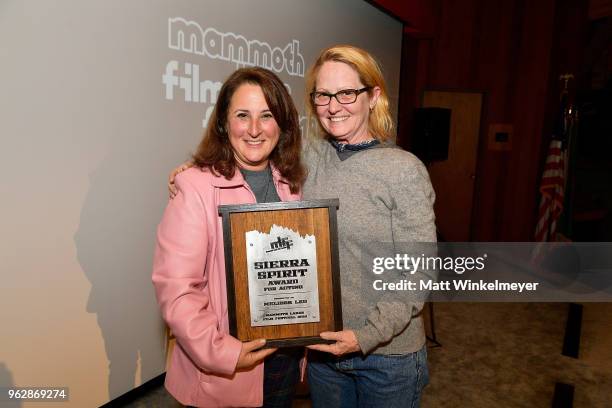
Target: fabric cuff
{"x":234,"y":347}
{"x":368,"y":338}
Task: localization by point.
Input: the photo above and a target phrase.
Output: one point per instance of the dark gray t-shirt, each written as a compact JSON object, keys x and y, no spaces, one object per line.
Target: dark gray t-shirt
{"x":261,"y":184}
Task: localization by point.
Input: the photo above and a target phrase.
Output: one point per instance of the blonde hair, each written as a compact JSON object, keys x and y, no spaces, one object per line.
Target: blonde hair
{"x":380,"y":122}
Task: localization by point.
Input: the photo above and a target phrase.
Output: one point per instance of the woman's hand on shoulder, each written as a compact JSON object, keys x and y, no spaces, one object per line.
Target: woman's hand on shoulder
{"x":252,"y":353}
{"x":172,"y":190}
{"x":346,"y":342}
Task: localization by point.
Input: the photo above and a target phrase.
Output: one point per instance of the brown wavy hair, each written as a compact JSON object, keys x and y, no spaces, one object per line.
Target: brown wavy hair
{"x":215,"y":151}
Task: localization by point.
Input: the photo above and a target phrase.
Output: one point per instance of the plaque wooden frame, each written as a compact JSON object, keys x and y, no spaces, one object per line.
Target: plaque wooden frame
{"x":313,"y":217}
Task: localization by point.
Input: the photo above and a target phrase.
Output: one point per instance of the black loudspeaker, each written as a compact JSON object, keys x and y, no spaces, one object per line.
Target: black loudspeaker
{"x":431,"y":134}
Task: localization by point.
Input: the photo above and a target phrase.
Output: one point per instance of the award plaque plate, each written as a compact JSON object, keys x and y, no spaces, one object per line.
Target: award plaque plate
{"x":281,"y":265}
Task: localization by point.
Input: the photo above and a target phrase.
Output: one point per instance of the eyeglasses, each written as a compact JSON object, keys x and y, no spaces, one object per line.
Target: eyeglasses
{"x":345,"y":96}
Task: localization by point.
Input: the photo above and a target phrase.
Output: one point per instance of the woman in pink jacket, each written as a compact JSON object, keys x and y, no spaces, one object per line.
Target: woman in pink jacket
{"x":250,"y":153}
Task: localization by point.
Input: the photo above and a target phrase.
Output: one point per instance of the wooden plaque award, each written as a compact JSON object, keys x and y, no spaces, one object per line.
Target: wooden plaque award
{"x":281,"y":265}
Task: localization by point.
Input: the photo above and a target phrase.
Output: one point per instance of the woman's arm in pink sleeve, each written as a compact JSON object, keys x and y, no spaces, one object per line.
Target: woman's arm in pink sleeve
{"x":182,"y":287}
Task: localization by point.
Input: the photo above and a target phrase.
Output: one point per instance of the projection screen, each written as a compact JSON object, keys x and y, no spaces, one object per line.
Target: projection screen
{"x":99,"y":101}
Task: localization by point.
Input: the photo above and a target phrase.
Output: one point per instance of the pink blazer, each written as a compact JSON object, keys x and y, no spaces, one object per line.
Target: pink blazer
{"x":189,"y":280}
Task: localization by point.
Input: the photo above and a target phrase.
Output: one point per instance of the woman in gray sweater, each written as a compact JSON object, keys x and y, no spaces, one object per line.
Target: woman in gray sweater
{"x":386,"y":205}
{"x":385,"y":197}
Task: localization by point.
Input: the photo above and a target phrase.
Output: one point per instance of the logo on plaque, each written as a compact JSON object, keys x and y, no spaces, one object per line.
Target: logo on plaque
{"x":282,"y":274}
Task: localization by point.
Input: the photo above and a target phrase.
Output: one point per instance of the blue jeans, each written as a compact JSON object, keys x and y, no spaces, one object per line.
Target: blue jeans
{"x":350,"y":381}
{"x":281,"y":375}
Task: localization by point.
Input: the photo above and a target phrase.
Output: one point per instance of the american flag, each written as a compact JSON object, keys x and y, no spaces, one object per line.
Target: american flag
{"x":552,"y":189}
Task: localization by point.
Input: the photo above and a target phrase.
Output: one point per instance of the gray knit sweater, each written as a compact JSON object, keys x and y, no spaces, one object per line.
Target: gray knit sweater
{"x":386,"y":200}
